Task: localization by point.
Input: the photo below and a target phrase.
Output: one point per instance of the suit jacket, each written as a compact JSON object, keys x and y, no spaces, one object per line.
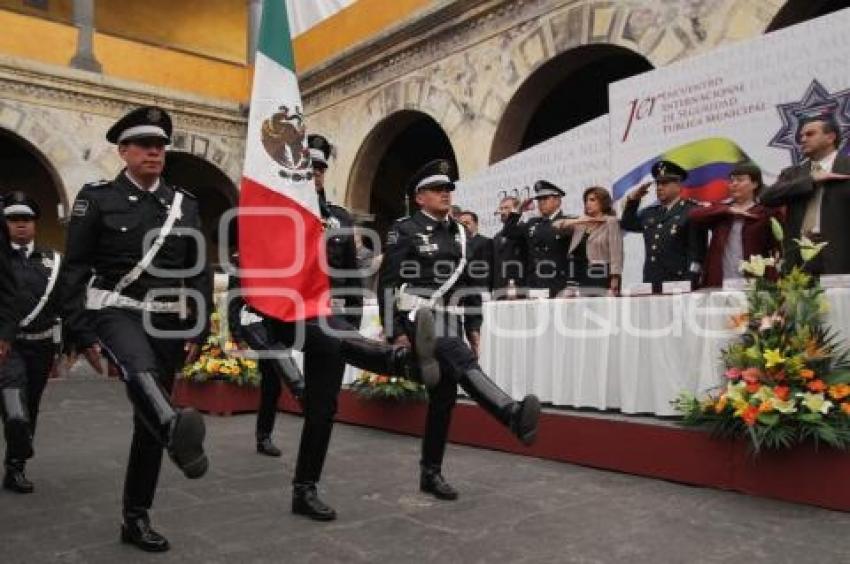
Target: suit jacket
{"x":757,"y":237}
{"x":481,"y":255}
{"x":509,"y":261}
{"x":604,"y":245}
{"x":793,"y":189}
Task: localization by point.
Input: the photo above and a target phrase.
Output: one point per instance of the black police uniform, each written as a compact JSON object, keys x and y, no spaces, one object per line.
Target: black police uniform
{"x":106,"y":240}
{"x":341,"y":251}
{"x":421,"y":254}
{"x":548,"y":263}
{"x":13,"y":396}
{"x":36,"y":342}
{"x":675,"y":248}
{"x":247,"y":325}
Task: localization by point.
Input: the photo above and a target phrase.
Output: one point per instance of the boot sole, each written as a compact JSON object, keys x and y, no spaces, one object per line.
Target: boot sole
{"x":528,"y":420}
{"x":126,"y":539}
{"x":314,"y":516}
{"x":425,"y":346}
{"x":441,"y":496}
{"x":187,"y":444}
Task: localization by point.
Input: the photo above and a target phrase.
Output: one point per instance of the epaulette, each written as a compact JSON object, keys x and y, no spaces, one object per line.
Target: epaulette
{"x":185,"y":192}
{"x":402,"y":218}
{"x":97,"y":184}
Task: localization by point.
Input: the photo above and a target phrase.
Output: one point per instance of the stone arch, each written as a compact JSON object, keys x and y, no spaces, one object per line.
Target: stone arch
{"x":537,"y":111}
{"x":797,"y":11}
{"x":392,"y":151}
{"x":214,"y":190}
{"x":28,"y":169}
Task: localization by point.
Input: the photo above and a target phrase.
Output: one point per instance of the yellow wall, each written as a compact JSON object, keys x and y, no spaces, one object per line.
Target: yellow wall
{"x":215,"y":28}
{"x":360,"y":21}
{"x":55,"y":43}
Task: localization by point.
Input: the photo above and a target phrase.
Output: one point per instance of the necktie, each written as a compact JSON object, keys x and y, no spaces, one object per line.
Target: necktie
{"x":811,"y":219}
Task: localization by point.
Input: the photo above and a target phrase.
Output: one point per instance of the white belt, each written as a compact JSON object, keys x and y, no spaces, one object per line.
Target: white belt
{"x":46,"y":334}
{"x":408,"y":302}
{"x":97,"y":298}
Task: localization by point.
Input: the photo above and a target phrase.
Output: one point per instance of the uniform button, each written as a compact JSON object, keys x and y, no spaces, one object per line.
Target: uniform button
{"x":123,"y":229}
{"x":657,"y":235}
{"x":652,"y":259}
{"x":654,"y":247}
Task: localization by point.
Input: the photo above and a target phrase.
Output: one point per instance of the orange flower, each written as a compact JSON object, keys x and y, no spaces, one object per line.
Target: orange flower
{"x":750,"y":415}
{"x":766,"y":407}
{"x":807,"y":373}
{"x":816,"y":386}
{"x":753,"y":387}
{"x":751,"y":375}
{"x":839,"y":391}
{"x":739,"y":321}
{"x":845,"y":407}
{"x":782,"y":392}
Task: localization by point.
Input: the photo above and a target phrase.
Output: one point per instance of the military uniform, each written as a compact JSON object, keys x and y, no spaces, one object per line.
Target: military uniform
{"x":675,"y":248}
{"x":422,"y":265}
{"x":548,"y":265}
{"x":341,"y":252}
{"x":106,"y":245}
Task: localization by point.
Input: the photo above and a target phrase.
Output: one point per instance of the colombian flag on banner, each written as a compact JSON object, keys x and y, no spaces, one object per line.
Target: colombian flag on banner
{"x":281,"y":243}
{"x":708,"y":162}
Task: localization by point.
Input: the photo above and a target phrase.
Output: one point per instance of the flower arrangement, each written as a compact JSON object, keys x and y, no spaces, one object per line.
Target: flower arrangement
{"x":787,"y":378}
{"x":222,"y":360}
{"x":375,"y":386}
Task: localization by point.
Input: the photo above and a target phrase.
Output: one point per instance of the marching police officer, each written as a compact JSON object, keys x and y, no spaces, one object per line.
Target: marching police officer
{"x":425,"y":264}
{"x":346,"y":281}
{"x":134,"y":281}
{"x":675,"y":248}
{"x":36,"y":271}
{"x":548,"y":250}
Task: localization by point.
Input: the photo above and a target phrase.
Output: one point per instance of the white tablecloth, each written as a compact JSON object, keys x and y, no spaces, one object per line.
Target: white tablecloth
{"x":635,"y":354}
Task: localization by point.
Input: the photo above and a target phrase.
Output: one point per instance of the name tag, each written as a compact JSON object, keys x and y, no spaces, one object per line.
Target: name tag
{"x":428,"y":248}
{"x":835,"y":281}
{"x":642,"y":289}
{"x":676,"y":287}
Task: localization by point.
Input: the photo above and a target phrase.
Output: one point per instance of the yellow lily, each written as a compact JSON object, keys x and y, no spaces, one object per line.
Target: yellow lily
{"x":816,"y":403}
{"x":773,"y":357}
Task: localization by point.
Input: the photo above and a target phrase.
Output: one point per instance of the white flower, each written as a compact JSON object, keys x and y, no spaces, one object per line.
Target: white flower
{"x":756,"y":265}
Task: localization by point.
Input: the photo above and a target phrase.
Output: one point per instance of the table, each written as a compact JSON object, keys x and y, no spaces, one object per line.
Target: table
{"x":634,"y":354}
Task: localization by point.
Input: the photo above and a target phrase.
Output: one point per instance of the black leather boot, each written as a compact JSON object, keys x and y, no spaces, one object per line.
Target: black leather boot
{"x":137,"y":531}
{"x":15,"y":480}
{"x":305,"y":501}
{"x":419,"y":365}
{"x":181,"y":432}
{"x":16,"y":424}
{"x":520,"y":417}
{"x":431,"y":481}
{"x":266,"y":446}
{"x":292,"y":377}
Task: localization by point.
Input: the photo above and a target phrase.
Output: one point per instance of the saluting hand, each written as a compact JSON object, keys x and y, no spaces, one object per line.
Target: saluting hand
{"x":402,"y":341}
{"x":639,"y":192}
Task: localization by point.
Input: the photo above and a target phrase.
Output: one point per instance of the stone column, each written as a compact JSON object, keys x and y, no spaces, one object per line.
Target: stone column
{"x":84,"y":21}
{"x":255,"y":12}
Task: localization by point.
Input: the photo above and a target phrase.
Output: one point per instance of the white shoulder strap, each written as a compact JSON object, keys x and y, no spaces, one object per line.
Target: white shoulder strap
{"x":137,"y":270}
{"x":51,"y":283}
{"x":447,"y":285}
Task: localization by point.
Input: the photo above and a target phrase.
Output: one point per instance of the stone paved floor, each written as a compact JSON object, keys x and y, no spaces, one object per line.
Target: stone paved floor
{"x":512,"y":509}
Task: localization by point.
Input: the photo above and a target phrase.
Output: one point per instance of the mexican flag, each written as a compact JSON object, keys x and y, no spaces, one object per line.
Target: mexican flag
{"x":281,"y":244}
